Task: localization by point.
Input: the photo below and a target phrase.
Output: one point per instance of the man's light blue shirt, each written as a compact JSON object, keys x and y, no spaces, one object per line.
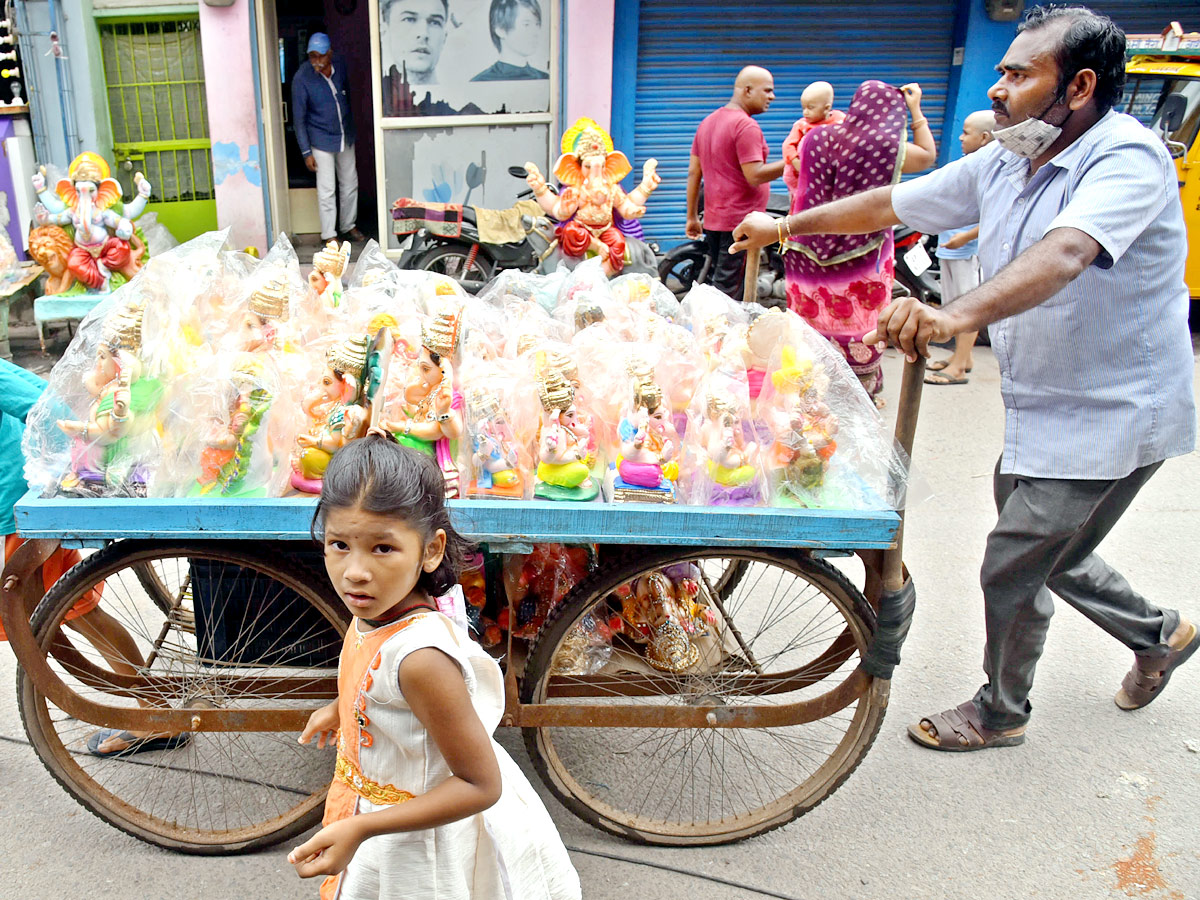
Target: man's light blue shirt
{"x":1097,"y":380}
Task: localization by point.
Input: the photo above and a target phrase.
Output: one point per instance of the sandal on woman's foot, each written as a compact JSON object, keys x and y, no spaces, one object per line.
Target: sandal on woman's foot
{"x":1146,"y":680}
{"x":960,"y":730}
{"x":938,"y":364}
{"x":944,"y":377}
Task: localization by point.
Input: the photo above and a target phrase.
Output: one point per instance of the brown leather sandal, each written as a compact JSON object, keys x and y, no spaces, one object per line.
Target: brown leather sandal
{"x":1149,"y":675}
{"x":961,"y":730}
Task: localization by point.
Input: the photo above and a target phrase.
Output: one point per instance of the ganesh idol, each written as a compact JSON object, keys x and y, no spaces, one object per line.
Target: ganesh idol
{"x":590,"y":171}
{"x":429,"y":415}
{"x":105,"y":242}
{"x":107,"y":451}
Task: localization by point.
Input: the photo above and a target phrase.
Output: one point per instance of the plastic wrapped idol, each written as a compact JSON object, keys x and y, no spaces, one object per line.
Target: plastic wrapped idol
{"x":562,"y":442}
{"x":330,"y":263}
{"x":647,"y":466}
{"x":828,"y":447}
{"x":99,"y":441}
{"x":724,"y":463}
{"x":536,"y":583}
{"x":495,"y":458}
{"x":428,"y":416}
{"x":231,"y":444}
{"x":712,"y":317}
{"x":334,"y":411}
{"x":641,"y":304}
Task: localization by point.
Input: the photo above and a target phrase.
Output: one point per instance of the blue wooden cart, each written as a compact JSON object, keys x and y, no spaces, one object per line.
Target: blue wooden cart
{"x":210,"y":629}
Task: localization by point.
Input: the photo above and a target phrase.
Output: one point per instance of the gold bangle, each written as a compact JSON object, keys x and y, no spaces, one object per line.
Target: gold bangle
{"x":779,"y":231}
{"x":787,"y":223}
{"x":918,"y":123}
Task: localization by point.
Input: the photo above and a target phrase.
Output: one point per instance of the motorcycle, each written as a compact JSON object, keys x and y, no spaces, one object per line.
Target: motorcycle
{"x":473,"y":262}
{"x":689,"y":263}
{"x":916,"y":271}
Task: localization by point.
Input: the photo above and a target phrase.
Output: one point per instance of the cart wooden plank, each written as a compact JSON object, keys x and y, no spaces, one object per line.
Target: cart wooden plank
{"x":498,"y":523}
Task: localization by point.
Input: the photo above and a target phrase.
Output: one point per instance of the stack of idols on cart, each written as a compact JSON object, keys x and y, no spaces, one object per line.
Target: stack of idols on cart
{"x":214,"y":374}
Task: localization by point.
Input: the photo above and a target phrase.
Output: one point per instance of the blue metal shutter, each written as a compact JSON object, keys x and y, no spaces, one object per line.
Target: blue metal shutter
{"x":689,"y":52}
{"x":1149,"y":16}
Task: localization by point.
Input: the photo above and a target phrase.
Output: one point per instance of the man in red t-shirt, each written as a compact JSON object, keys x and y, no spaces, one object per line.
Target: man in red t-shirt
{"x":729,"y":153}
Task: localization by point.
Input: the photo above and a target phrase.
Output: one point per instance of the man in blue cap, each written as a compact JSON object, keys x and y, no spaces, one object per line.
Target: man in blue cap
{"x":325,"y":131}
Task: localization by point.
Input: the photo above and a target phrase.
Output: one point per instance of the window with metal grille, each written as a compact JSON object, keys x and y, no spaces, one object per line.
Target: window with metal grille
{"x":154,"y":74}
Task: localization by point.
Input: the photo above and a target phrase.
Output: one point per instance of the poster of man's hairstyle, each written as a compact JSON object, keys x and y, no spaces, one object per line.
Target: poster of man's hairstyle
{"x":465,"y":57}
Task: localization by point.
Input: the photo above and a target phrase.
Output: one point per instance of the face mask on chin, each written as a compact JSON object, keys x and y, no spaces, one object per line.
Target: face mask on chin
{"x":1031,"y":138}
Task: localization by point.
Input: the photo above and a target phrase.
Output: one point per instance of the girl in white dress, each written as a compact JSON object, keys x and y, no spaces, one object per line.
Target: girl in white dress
{"x":424,"y":803}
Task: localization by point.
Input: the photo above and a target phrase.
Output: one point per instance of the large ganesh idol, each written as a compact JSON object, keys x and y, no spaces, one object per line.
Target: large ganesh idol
{"x":590,"y":171}
{"x":104,"y":240}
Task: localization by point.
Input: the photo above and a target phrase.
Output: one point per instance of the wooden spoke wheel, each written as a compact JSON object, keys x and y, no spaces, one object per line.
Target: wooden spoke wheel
{"x":200,"y":626}
{"x":786,"y":637}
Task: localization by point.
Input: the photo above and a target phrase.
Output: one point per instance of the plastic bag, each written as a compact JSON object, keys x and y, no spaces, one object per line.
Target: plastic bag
{"x":158,"y":237}
{"x":93,"y":431}
{"x":723,"y":464}
{"x":825,"y":443}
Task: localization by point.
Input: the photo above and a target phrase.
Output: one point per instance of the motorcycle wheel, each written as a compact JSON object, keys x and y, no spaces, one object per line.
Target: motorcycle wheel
{"x":451,"y":260}
{"x":680,"y":271}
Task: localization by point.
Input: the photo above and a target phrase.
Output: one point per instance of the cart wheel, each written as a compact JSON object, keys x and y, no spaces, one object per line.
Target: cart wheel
{"x":234,"y":623}
{"x":789,"y":628}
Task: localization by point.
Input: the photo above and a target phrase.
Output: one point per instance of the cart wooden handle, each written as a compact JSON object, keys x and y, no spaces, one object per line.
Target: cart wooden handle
{"x":750,"y":284}
{"x":907,"y":410}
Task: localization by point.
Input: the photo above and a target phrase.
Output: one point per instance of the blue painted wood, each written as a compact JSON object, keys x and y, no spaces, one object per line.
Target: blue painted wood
{"x":92,"y":521}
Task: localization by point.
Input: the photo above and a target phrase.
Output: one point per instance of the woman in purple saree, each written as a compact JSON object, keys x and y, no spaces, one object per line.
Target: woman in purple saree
{"x":838,"y":283}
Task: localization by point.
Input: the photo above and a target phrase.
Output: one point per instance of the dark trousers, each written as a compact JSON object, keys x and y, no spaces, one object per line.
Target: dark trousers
{"x":1045,"y":541}
{"x":728,"y":272}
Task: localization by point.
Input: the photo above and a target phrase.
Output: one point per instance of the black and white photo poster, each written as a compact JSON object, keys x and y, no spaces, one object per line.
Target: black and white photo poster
{"x":465,"y":57}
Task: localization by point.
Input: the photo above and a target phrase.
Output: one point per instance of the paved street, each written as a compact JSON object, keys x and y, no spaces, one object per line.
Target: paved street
{"x":1098,"y":803}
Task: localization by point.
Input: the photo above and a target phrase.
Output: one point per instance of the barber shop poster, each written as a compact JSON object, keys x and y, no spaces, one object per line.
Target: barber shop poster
{"x":465,"y":57}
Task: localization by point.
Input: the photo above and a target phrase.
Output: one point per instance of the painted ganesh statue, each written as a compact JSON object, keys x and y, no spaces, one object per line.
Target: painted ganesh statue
{"x":104,"y":242}
{"x":590,"y":171}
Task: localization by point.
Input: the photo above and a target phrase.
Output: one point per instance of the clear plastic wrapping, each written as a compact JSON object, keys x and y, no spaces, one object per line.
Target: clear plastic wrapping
{"x":825,"y":444}
{"x":215,"y":374}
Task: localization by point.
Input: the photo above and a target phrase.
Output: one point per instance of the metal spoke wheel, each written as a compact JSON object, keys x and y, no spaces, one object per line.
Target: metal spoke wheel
{"x":202,"y":626}
{"x":788,"y":631}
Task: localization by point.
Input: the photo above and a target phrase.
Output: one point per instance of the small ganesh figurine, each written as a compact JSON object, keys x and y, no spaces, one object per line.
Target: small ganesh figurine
{"x":647,"y":468}
{"x":101,"y":457}
{"x":562,"y":471}
{"x":335,"y":414}
{"x":258,"y":328}
{"x":329,"y":265}
{"x":431,"y":409}
{"x":230,"y":446}
{"x":729,"y":459}
{"x":494,"y":456}
{"x":591,"y":171}
{"x":104,"y":240}
{"x":804,"y":425}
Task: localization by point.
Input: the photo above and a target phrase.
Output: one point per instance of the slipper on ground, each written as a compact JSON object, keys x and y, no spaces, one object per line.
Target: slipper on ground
{"x":133,"y":743}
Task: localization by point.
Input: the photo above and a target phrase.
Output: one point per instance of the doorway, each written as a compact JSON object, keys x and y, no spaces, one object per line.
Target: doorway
{"x":284,"y":32}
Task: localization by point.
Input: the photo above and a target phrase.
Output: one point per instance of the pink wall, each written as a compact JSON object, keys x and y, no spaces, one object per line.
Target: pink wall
{"x":226,"y":36}
{"x":588,"y":57}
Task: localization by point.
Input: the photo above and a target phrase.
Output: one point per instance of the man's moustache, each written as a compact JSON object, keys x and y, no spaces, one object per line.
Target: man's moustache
{"x":1000,"y":108}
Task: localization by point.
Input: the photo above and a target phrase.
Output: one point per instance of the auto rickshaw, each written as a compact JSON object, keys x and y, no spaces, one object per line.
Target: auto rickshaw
{"x":1162,"y":90}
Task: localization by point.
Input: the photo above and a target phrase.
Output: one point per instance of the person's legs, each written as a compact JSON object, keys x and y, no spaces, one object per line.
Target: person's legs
{"x":1046,"y":534}
{"x":729,"y":269}
{"x":958,"y":277}
{"x":347,"y":183}
{"x":326,"y":192}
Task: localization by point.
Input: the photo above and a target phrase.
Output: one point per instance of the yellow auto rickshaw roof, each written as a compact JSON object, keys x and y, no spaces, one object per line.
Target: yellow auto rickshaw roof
{"x":1150,"y":65}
